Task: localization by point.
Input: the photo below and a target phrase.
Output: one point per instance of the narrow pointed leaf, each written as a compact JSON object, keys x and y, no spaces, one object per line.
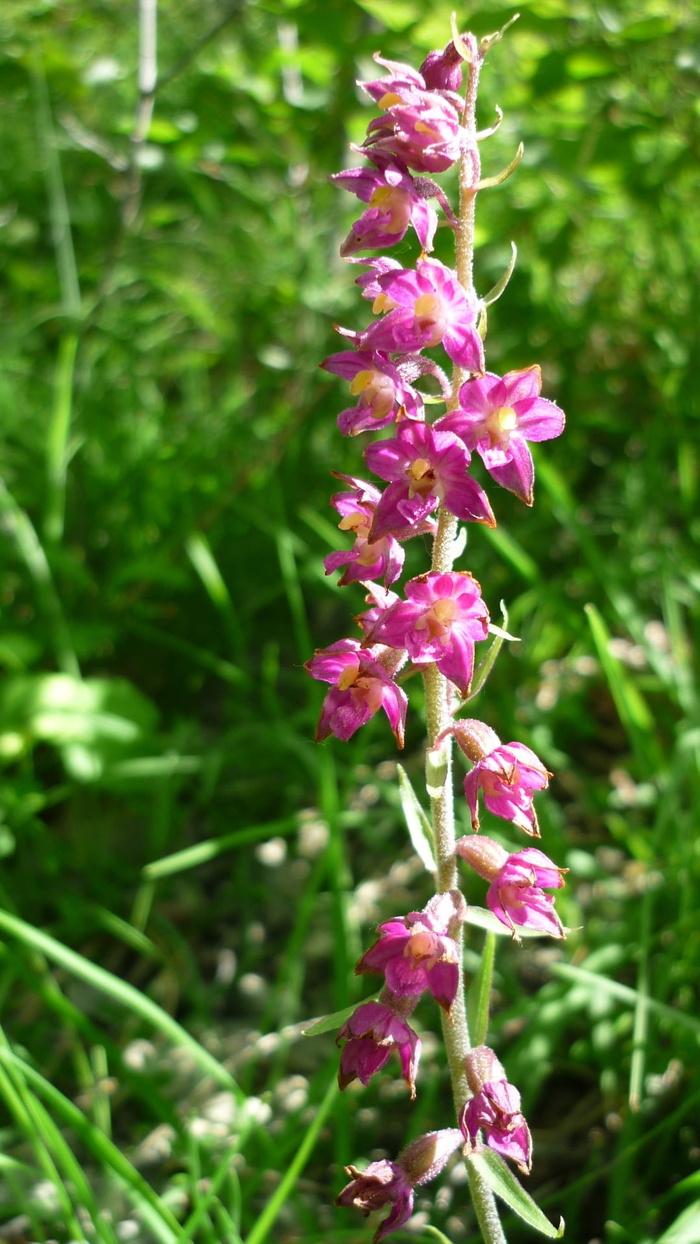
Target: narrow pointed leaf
{"x":479,"y":994}
{"x":328,"y":1023}
{"x":495,"y":293}
{"x":487,"y":183}
{"x":487,"y":663}
{"x":482,"y":918}
{"x":417,"y":823}
{"x":502,"y":1181}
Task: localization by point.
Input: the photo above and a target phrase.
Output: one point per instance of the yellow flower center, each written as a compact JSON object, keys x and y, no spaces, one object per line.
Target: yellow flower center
{"x":438,"y":619}
{"x":393,"y":202}
{"x":421,"y":128}
{"x":421,"y":480}
{"x":500,"y":424}
{"x":348,"y":675}
{"x":357,"y":522}
{"x":421,"y":946}
{"x":383,"y":303}
{"x":377,"y":389}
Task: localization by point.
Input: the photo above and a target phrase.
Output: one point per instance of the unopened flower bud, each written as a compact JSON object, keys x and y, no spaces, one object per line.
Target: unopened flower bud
{"x":482,"y":1067}
{"x":485,"y":856}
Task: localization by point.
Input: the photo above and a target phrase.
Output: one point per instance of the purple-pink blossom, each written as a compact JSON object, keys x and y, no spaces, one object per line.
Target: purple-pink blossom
{"x":495,"y":1108}
{"x":440,"y":621}
{"x":378,"y":385}
{"x":380,"y":1184}
{"x":497,"y":416}
{"x":381,"y":559}
{"x":361,"y":686}
{"x":418,"y":951}
{"x":507,"y":774}
{"x":370,"y":1036}
{"x":385,"y":1183}
{"x":427,"y":306}
{"x":394,"y":204}
{"x":425,"y":468}
{"x":516,"y":894}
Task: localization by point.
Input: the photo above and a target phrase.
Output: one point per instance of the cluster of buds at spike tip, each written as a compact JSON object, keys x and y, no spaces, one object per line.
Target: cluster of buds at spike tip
{"x":428,"y":320}
{"x":424,"y":465}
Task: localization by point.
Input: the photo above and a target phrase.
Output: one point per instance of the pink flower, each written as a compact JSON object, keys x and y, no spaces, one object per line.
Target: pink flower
{"x":442,"y":619}
{"x":380,"y":387}
{"x":378,"y":598}
{"x":506,"y":773}
{"x":382,"y":559}
{"x":516,"y":893}
{"x":361,"y":686}
{"x":369,"y":281}
{"x":498,"y":416}
{"x":380,"y":1184}
{"x":425,"y":469}
{"x":426,"y":307}
{"x":394,"y":204}
{"x":418,"y":952}
{"x":401,"y":77}
{"x":495,"y":1107}
{"x":391,"y":1183}
{"x":371,"y":1034}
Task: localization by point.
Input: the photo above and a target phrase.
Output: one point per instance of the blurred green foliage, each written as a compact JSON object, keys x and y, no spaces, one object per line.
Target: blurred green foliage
{"x":166,"y":445}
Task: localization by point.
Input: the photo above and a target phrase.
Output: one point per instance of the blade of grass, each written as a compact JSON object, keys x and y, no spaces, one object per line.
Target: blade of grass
{"x":12,"y":1089}
{"x":142,"y":1194}
{"x":633,"y":710}
{"x":640,"y":1031}
{"x":73,"y":1176}
{"x":32,"y":969}
{"x":202,"y":852}
{"x":18,"y":525}
{"x":192,"y":1224}
{"x":121,"y":992}
{"x":507,"y":546}
{"x":57,"y":454}
{"x":199,"y":552}
{"x":624,"y":993}
{"x":292,"y":587}
{"x":56,"y":191}
{"x":265,"y":1222}
{"x":199,"y":656}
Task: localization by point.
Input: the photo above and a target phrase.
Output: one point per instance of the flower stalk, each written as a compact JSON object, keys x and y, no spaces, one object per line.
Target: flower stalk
{"x":426,"y":127}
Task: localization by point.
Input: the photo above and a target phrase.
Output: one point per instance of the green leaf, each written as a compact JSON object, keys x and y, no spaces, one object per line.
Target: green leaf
{"x":437,"y":1235}
{"x":418,"y":825}
{"x":487,"y":662}
{"x":329,"y":1022}
{"x":483,"y":919}
{"x":502,"y":1181}
{"x":479,"y":994}
{"x":624,"y":993}
{"x":121,"y":992}
{"x":686,"y":1228}
{"x":635,"y":714}
{"x":394,"y":14}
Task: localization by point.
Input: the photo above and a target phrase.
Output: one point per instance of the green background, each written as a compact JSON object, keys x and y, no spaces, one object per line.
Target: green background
{"x":166,"y":443}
